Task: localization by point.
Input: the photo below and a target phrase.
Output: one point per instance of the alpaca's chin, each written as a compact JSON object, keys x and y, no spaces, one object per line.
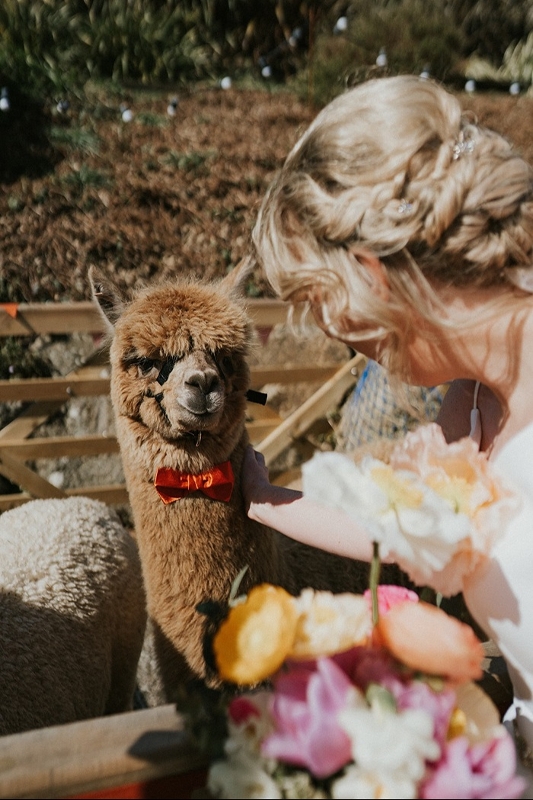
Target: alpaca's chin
{"x":193,"y":429}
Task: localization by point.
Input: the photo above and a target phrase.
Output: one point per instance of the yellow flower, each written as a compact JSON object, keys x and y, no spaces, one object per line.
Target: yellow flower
{"x":256,"y":636}
{"x":457,"y":724}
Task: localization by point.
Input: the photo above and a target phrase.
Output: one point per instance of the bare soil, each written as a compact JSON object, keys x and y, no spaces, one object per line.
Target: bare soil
{"x":159,"y":195}
{"x":146,"y":199}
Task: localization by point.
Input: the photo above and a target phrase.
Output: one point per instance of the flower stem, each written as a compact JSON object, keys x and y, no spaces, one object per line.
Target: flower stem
{"x":375,"y":566}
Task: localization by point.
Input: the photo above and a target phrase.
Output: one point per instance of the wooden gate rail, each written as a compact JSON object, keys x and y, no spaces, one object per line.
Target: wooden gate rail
{"x":86,"y":385}
{"x":26,"y":319}
{"x":147,"y":751}
{"x":268,"y":432}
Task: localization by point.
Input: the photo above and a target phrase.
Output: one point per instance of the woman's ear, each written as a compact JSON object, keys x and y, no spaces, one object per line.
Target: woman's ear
{"x":374,"y":270}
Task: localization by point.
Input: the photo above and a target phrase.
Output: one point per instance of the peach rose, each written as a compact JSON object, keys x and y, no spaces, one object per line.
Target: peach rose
{"x":459,"y":473}
{"x":425,"y":638}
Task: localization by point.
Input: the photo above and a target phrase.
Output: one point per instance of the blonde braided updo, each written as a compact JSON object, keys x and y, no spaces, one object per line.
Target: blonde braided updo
{"x":393,"y":167}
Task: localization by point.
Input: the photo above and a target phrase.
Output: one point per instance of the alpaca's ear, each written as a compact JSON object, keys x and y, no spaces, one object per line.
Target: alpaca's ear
{"x":235,"y":281}
{"x":107,"y":296}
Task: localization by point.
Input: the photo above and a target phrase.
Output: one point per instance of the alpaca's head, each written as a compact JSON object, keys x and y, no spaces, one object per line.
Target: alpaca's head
{"x":178,"y":358}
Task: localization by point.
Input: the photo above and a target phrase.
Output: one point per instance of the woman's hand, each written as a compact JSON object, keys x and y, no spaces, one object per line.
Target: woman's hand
{"x":255,"y":483}
{"x":288,"y":511}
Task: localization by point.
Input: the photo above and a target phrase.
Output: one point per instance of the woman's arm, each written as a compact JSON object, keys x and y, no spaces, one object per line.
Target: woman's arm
{"x":288,"y":511}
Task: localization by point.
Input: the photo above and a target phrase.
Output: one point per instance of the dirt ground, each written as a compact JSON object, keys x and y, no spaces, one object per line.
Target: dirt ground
{"x":144,"y":199}
{"x":159,"y":195}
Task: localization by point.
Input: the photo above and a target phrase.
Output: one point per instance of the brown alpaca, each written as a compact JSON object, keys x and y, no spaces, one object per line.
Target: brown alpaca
{"x":179,"y":378}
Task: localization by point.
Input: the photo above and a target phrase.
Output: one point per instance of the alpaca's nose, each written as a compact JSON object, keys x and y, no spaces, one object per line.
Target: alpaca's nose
{"x":206,"y":381}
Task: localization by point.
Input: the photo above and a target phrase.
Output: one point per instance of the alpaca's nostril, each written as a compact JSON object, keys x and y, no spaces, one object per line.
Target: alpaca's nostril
{"x":205,"y":382}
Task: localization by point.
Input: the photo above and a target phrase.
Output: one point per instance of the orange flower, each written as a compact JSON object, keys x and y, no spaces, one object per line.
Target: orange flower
{"x":256,"y":636}
{"x":425,"y":638}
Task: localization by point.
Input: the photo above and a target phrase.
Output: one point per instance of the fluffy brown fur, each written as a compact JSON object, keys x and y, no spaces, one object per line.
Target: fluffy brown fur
{"x":192,"y":550}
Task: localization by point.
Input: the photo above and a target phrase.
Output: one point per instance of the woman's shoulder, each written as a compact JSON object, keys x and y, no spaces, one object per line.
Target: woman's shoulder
{"x":455,"y":417}
{"x":454,"y":414}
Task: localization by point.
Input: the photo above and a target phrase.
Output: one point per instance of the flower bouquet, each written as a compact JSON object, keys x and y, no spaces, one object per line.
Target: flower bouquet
{"x":354,"y":709}
{"x":373,"y":695}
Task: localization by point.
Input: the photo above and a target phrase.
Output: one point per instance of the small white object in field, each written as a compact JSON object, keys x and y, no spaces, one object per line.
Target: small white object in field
{"x":126,"y":113}
{"x":172,"y":107}
{"x":341,"y":26}
{"x":381,"y":60}
{"x":4,"y":100}
{"x":56,"y":478}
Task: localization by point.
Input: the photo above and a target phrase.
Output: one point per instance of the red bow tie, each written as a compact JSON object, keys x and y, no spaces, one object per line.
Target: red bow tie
{"x":217,"y":483}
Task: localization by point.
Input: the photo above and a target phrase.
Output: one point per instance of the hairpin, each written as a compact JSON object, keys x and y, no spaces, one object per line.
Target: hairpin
{"x":404,"y":207}
{"x":462,"y":147}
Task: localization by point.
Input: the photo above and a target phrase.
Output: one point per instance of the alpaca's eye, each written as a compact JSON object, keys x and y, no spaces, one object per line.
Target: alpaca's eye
{"x":226,"y":365}
{"x":146,"y":365}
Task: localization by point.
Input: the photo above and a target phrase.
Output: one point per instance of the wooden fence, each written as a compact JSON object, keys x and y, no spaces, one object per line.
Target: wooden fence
{"x":19,"y":444}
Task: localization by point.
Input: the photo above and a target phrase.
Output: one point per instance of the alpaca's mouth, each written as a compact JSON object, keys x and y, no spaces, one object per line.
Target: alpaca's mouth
{"x":202,"y":406}
{"x":193,"y":423}
{"x":194,"y":417}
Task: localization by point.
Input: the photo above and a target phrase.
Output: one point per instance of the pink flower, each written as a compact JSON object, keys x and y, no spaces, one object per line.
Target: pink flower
{"x":304,"y":709}
{"x":365,"y":665}
{"x":486,"y":769}
{"x":389,"y":596}
{"x":438,"y":704}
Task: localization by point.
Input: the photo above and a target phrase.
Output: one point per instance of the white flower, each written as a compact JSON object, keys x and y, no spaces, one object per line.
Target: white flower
{"x":244,"y":772}
{"x":330,"y":623}
{"x":414,"y":525}
{"x":479,"y":716}
{"x":241,"y":777}
{"x":388,"y":744}
{"x":359,"y":784}
{"x":245,"y":738}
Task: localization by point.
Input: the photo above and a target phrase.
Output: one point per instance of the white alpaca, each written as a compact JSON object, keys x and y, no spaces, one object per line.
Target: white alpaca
{"x":72,"y":613}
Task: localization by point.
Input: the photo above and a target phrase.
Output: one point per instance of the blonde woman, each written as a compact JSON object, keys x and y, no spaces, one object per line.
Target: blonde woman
{"x":407,"y":229}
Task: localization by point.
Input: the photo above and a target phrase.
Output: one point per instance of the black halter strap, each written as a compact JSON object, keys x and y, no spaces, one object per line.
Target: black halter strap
{"x":166,"y":369}
{"x":256,"y":397}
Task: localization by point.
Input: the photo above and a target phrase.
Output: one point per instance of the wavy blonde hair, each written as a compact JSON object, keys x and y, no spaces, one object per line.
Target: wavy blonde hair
{"x":394,"y":167}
